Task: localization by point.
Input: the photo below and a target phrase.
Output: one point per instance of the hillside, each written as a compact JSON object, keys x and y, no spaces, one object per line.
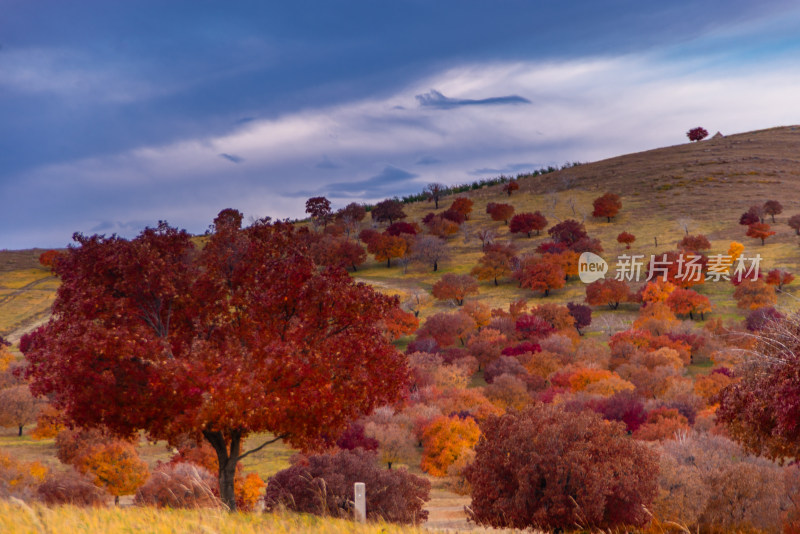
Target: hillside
{"x":666,"y":193}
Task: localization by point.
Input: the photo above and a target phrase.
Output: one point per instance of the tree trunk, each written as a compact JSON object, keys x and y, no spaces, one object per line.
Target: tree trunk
{"x":495,"y":281}
{"x":227,"y":463}
{"x":609,"y":219}
{"x":116,"y":500}
{"x":20,"y":431}
{"x":388,"y":263}
{"x":435,"y":266}
{"x":390,"y":465}
{"x":354,"y":268}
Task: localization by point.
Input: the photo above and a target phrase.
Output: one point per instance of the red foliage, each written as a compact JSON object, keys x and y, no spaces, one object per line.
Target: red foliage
{"x":582,"y":315}
{"x":759,"y":231}
{"x":500,"y":212}
{"x":455,"y":287}
{"x":323,"y":485}
{"x":541,"y":274}
{"x":608,"y":292}
{"x":496,"y":262}
{"x":626,"y":239}
{"x":568,"y":232}
{"x":354,"y":438}
{"x":525,"y":223}
{"x":549,"y":469}
{"x":175,"y":341}
{"x":694,"y":243}
{"x":688,"y":302}
{"x":779,"y":277}
{"x":447,"y":328}
{"x":462,"y":205}
{"x":522,"y":348}
{"x":402,"y":227}
{"x":510,"y":187}
{"x":697,"y":134}
{"x":532,"y":327}
{"x":607,"y":206}
{"x":48,"y":258}
{"x":453,"y":216}
{"x":388,"y":210}
{"x":320,"y":209}
{"x":386,"y":247}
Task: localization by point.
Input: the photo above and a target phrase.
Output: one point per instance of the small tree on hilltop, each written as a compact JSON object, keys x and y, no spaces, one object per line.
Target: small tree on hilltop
{"x":773,"y":208}
{"x":455,"y":287}
{"x":607,"y":206}
{"x":510,"y":187}
{"x":697,"y":134}
{"x":626,"y":239}
{"x":550,"y":469}
{"x":434,"y":191}
{"x":760,"y":231}
{"x":320,"y":210}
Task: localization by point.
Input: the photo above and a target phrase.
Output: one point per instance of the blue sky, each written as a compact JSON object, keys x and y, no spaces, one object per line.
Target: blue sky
{"x":118,"y":114}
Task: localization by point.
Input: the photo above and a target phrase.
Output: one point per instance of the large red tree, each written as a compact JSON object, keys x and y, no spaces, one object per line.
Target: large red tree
{"x":246,"y":335}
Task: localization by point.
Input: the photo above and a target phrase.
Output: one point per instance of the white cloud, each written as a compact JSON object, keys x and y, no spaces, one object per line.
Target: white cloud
{"x":580,"y":110}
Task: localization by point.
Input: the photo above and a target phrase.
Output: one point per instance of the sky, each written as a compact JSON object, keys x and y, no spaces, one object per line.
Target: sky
{"x":116,"y":115}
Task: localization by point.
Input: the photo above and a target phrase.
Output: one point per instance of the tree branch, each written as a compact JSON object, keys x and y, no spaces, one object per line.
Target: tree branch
{"x":251,"y":451}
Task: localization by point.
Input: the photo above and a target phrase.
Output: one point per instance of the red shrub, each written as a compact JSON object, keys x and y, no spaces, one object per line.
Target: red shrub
{"x":322,"y":484}
{"x":181,"y":485}
{"x":73,"y":488}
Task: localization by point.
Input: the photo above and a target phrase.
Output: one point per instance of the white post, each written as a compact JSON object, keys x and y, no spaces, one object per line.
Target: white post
{"x":361,"y":502}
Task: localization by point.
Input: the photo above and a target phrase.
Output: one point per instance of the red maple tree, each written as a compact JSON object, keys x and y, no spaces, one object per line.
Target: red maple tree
{"x":246,"y":335}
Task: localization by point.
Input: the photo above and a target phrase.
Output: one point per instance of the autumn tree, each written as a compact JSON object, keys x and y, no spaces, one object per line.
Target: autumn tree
{"x":338,"y":251}
{"x":626,"y":239}
{"x":386,"y":247}
{"x":568,"y":232}
{"x":773,"y":208}
{"x":402,"y":227}
{"x":753,"y":215}
{"x":244,"y":336}
{"x":388,"y":210}
{"x":694,"y":243}
{"x":115,"y":466}
{"x":688,"y":302}
{"x":608,"y":292}
{"x":525,"y":223}
{"x":455,"y":287}
{"x":547,"y":468}
{"x":510,"y":187}
{"x":754,"y":294}
{"x":760,"y":410}
{"x":607,"y":206}
{"x":430,"y":250}
{"x":396,"y":443}
{"x":581,"y":314}
{"x":48,"y":258}
{"x":440,"y":226}
{"x":539,"y":274}
{"x":462,"y":205}
{"x":779,"y":278}
{"x":320,"y":210}
{"x":444,"y":440}
{"x":447,"y":328}
{"x":794,"y":223}
{"x":496,"y":262}
{"x":434,"y":191}
{"x":759,"y":231}
{"x":697,"y":134}
{"x":18,"y":407}
{"x":487,"y":237}
{"x":500,"y":212}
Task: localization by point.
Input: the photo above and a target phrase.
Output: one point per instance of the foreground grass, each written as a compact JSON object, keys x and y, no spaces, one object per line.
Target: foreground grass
{"x":21,"y":518}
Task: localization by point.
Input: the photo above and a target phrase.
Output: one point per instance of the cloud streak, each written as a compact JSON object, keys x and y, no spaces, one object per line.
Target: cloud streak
{"x":435,"y":99}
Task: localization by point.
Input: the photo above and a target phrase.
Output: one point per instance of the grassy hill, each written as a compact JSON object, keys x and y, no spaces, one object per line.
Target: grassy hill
{"x":701,"y":188}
